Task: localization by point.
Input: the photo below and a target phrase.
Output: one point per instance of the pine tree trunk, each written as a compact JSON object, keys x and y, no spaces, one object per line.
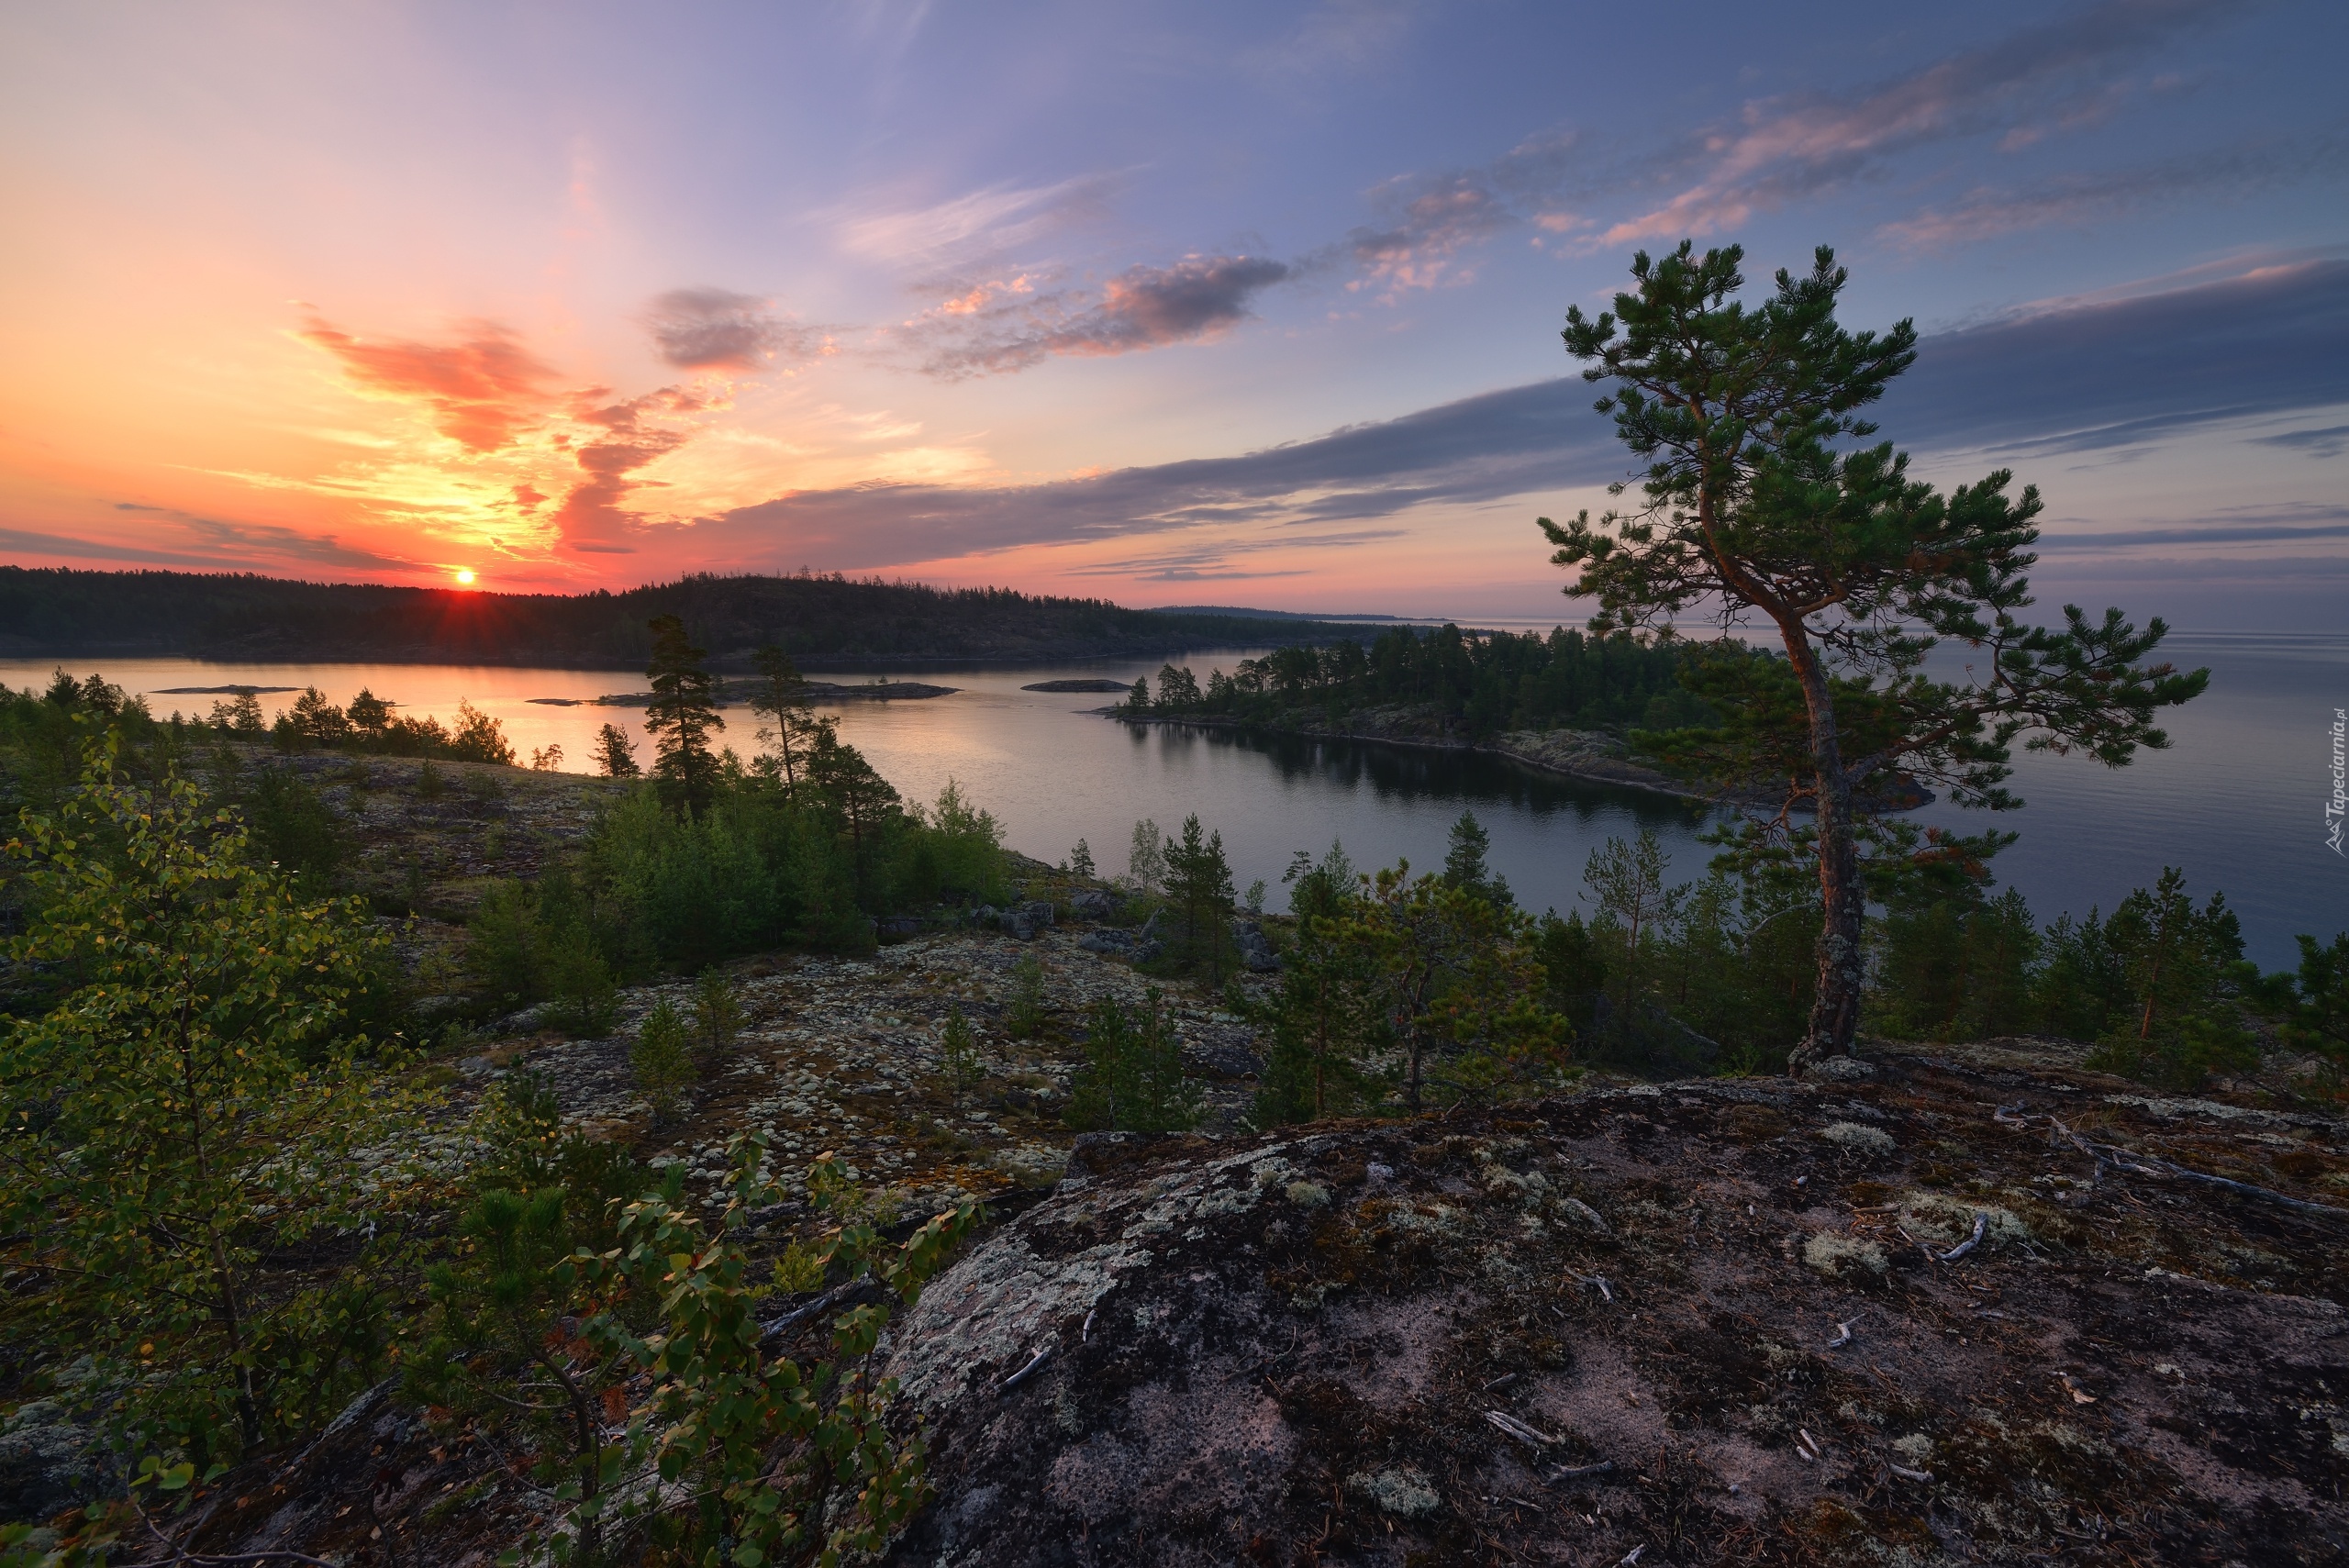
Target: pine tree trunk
{"x":1835,"y":1008}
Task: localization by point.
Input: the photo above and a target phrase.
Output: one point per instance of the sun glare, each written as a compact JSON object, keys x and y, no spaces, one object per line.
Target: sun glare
{"x":464,"y":576}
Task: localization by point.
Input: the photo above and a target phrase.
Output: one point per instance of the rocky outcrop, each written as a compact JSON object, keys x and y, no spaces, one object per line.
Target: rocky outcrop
{"x":1255,"y":948}
{"x":1712,"y":1321}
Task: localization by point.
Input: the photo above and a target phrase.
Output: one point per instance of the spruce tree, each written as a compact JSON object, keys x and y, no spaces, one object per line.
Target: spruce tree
{"x":1752,"y":512}
{"x":615,"y":753}
{"x":1465,"y":864}
{"x":1198,"y":885}
{"x":682,"y":713}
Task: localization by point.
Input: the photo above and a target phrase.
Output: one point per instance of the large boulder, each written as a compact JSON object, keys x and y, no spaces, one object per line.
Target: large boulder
{"x":1701,"y":1323}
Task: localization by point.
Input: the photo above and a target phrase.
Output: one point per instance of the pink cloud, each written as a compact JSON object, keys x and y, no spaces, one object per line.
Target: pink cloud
{"x":482,"y":390}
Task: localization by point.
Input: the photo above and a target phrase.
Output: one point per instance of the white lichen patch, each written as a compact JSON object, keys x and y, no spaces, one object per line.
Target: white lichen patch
{"x":1858,"y":1138}
{"x":1938,"y":1217}
{"x":1834,"y":1254}
{"x":1402,"y":1490}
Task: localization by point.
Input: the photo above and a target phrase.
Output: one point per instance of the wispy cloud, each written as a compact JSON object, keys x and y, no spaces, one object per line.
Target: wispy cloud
{"x":2227,"y":533}
{"x":2331,"y":440}
{"x":1988,"y":211}
{"x":1800,"y":145}
{"x":1209,"y":562}
{"x":273,"y":541}
{"x":1336,"y":35}
{"x":20,"y":542}
{"x":1011,"y":326}
{"x":1431,"y":223}
{"x":711,"y":329}
{"x":983,"y":223}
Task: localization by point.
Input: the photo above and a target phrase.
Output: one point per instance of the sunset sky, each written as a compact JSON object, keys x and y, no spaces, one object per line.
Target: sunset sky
{"x":1173,"y":304}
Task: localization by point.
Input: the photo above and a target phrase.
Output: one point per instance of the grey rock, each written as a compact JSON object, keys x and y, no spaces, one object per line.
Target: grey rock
{"x":1092,"y":904}
{"x":1255,"y":948}
{"x":47,"y":1464}
{"x":1835,"y":1070}
{"x":1041,"y":913}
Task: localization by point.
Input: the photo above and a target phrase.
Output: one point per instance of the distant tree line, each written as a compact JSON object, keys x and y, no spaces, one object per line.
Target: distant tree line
{"x":1480,"y":684}
{"x":242,"y":616}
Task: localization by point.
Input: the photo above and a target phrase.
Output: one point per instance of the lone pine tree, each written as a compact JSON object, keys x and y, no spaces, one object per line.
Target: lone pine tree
{"x":681,"y":715}
{"x":1752,"y":511}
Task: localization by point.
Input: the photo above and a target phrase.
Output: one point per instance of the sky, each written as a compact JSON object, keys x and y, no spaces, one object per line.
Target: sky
{"x":1197,"y":303}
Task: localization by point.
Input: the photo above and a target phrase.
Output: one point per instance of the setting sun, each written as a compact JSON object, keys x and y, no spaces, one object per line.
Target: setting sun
{"x":464,"y":576}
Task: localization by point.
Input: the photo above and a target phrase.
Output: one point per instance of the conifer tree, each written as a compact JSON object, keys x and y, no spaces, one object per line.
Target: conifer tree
{"x":860,"y":802}
{"x":1753,"y":514}
{"x":1465,"y":864}
{"x":615,"y":753}
{"x":781,"y":698}
{"x":1198,"y":883}
{"x":682,"y":713}
{"x":1323,"y":1015}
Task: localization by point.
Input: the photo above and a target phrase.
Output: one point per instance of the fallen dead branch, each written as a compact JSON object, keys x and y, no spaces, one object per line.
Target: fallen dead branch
{"x":1981,"y":1228}
{"x":1025,"y":1372}
{"x":1516,"y":1428}
{"x":2153,"y":1166}
{"x":1578,"y":1471}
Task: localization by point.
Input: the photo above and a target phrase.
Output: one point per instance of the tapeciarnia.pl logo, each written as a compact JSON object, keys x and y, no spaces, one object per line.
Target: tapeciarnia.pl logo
{"x":2337,"y":807}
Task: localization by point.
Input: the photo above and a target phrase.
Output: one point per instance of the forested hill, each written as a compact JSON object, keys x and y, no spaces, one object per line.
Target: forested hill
{"x":77,"y":614}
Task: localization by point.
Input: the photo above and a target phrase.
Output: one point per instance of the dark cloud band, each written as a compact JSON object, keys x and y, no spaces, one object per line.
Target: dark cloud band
{"x":2073,"y":378}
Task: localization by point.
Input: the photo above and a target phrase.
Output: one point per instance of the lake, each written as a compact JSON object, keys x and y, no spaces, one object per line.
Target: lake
{"x":2238,"y":801}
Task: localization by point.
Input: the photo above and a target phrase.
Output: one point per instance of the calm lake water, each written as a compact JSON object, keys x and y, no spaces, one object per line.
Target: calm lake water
{"x":2237,"y":802}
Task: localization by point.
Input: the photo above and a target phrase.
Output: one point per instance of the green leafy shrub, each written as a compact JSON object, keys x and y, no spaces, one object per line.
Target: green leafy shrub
{"x":764,"y":1460}
{"x":496,"y":1345}
{"x":204,"y":1102}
